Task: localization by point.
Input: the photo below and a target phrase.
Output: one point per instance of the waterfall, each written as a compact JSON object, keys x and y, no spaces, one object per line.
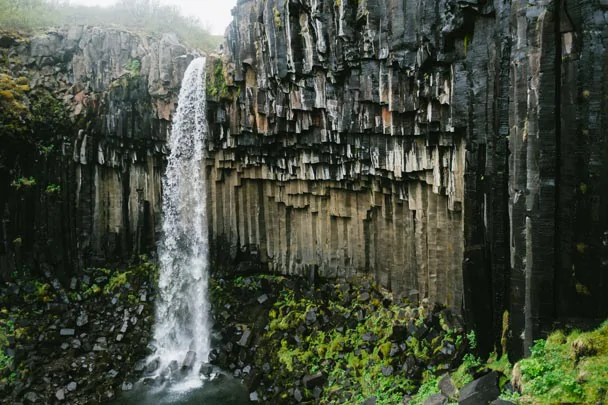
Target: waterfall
{"x":182,"y":327}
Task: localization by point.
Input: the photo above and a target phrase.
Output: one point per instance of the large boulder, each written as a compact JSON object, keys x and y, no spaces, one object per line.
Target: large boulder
{"x":481,"y":391}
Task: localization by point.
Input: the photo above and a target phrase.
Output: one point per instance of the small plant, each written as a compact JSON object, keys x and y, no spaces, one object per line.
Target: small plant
{"x":7,"y":329}
{"x":472,"y":339}
{"x":25,"y":182}
{"x":277,"y":17}
{"x":43,"y":292}
{"x":118,"y":280}
{"x":429,"y":387}
{"x":53,"y":189}
{"x":216,"y":83}
{"x":133,"y":67}
{"x":92,"y":290}
{"x":46,"y":150}
{"x":463,"y":374}
{"x":74,"y":296}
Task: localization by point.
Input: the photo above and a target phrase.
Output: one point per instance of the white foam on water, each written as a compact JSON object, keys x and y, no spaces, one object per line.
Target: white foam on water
{"x":190,"y":383}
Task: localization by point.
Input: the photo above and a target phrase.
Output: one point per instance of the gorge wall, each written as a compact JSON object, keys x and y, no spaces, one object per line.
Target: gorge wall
{"x":453,"y":150}
{"x":84,"y":121}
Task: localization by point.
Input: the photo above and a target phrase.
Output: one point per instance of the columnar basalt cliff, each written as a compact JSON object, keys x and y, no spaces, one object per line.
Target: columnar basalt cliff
{"x":452,"y":149}
{"x":81,"y":163}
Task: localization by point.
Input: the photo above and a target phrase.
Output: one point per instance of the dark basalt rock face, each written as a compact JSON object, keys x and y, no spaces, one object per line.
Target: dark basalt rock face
{"x":453,"y":149}
{"x":96,"y":192}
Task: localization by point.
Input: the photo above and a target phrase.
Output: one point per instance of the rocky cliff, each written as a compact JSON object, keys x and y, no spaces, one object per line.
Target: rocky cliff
{"x":452,"y":149}
{"x":85,"y":116}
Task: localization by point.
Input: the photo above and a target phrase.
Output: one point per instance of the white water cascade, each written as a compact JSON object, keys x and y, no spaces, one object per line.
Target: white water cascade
{"x":181,"y":331}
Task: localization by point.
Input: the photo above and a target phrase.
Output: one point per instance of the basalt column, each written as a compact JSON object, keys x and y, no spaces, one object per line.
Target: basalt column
{"x":453,"y":150}
{"x":340,"y":140}
{"x":80,"y":174}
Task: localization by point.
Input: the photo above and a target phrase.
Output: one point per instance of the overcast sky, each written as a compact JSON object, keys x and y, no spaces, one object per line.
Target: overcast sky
{"x":212,"y":13}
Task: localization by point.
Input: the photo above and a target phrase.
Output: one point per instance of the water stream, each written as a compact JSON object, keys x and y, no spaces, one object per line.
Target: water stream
{"x":182,"y":328}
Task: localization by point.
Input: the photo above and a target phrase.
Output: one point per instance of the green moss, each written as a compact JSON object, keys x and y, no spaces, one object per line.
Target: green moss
{"x":118,"y":280}
{"x":430,"y":386}
{"x":566,"y":368}
{"x":467,"y":41}
{"x":92,"y":290}
{"x":357,"y":354}
{"x":359,"y":342}
{"x":7,"y":329}
{"x":53,"y":189}
{"x":44,"y":292}
{"x":131,"y":277}
{"x":7,"y":95}
{"x":133,"y":67}
{"x":581,"y":289}
{"x":23,"y":182}
{"x":500,"y":364}
{"x":46,"y":150}
{"x":13,"y":102}
{"x":463,"y":374}
{"x":36,"y":115}
{"x":216,"y":82}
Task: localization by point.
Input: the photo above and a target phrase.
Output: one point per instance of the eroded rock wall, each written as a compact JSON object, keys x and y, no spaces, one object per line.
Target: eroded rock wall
{"x":450,"y":148}
{"x":119,"y":89}
{"x":344,"y":148}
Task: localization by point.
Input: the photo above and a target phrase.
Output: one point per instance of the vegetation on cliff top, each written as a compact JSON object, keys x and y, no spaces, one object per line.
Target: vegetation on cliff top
{"x":147,"y":16}
{"x":25,"y":111}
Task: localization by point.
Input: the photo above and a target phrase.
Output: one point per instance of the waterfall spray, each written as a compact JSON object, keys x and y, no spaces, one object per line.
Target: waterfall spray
{"x":182,"y":327}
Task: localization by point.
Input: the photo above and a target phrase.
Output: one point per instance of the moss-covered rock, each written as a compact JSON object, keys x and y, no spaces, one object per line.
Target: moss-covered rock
{"x":217,"y":87}
{"x":91,"y":333}
{"x":336,"y":343}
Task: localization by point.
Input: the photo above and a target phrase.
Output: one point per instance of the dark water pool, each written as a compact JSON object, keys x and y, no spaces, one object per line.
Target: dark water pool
{"x":221,"y":391}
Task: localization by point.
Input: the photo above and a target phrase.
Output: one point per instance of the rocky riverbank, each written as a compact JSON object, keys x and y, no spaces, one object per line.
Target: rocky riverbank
{"x":79,"y":344}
